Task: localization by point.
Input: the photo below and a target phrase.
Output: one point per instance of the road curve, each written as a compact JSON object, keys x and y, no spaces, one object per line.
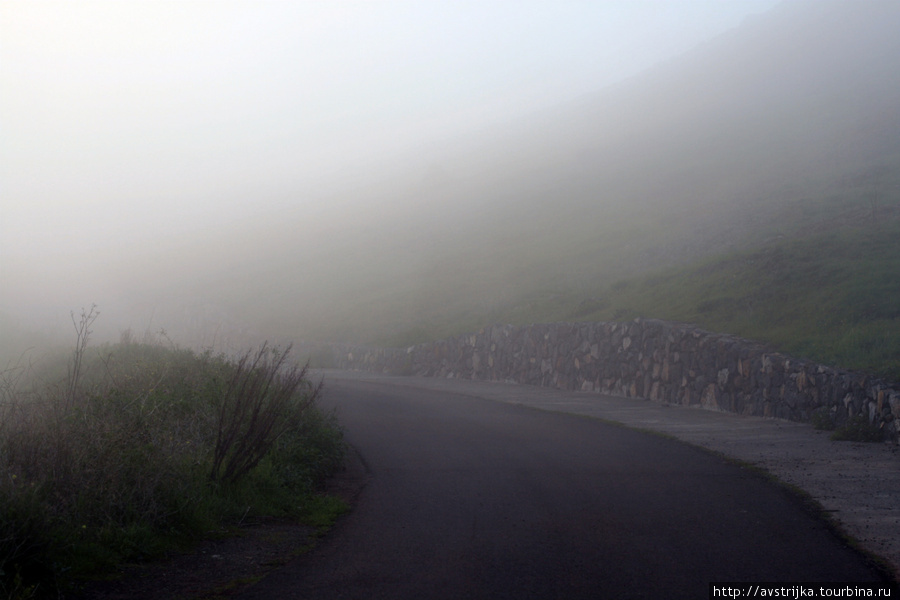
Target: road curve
{"x":471,"y":498}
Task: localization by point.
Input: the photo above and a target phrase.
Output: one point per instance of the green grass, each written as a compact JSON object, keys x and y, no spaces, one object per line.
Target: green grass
{"x":831,"y":297}
{"x":858,"y":429}
{"x":150,"y":454}
{"x":806,"y":263}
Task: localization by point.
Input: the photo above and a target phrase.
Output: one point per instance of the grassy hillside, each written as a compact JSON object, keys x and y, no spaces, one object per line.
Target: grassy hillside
{"x":783,"y":127}
{"x":832,"y":297}
{"x":821,"y":282}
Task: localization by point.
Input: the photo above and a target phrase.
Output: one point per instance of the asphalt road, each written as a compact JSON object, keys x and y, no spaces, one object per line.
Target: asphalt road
{"x":472,"y":498}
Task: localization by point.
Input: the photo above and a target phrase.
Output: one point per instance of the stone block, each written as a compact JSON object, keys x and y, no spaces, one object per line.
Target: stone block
{"x":710,"y":397}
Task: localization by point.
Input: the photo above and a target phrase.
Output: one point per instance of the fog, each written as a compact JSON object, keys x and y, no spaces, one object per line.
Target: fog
{"x":238,"y":171}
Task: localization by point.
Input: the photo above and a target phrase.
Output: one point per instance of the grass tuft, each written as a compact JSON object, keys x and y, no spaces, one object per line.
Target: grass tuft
{"x":822,"y":419}
{"x":858,"y":429}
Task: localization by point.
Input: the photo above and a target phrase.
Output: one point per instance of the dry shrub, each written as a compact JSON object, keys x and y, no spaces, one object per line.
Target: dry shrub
{"x":256,"y":409}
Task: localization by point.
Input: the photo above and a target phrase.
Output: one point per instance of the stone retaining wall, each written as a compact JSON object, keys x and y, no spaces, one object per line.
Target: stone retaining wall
{"x":657,"y":360}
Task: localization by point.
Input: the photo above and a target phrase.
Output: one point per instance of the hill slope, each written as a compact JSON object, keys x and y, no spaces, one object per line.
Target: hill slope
{"x":785,"y":128}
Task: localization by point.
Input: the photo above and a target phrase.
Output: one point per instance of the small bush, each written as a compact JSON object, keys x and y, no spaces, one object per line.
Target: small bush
{"x":858,"y":429}
{"x":822,"y":419}
{"x":153,"y":447}
{"x":260,"y":402}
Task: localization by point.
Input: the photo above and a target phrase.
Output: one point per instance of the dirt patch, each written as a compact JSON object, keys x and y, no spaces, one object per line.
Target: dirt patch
{"x":216,"y":568}
{"x":221,"y":568}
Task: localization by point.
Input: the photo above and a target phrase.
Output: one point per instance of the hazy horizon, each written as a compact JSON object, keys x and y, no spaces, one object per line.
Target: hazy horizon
{"x":151,"y":150}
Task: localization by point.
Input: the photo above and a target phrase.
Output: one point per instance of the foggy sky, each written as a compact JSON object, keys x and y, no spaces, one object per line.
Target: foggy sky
{"x":127,"y":125}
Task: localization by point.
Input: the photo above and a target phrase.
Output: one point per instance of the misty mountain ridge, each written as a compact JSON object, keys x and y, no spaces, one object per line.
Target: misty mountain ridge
{"x":783,"y":127}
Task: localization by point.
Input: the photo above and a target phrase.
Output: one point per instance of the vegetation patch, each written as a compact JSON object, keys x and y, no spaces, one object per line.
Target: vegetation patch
{"x":808,"y":268}
{"x":140,"y":448}
{"x":822,"y":419}
{"x":827,"y":297}
{"x":857,"y":429}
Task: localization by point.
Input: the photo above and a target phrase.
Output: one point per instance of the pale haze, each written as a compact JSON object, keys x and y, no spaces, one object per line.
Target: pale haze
{"x":128,"y":128}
